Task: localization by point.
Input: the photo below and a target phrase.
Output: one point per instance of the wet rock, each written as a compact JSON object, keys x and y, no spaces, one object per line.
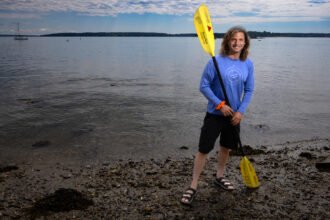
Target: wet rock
{"x":158,"y":215}
{"x":8,"y":168}
{"x":147,"y":210}
{"x":115,"y":185}
{"x":248,"y":150}
{"x":115,"y":172}
{"x":66,"y":176}
{"x":307,"y":155}
{"x":184,"y":148}
{"x":261,"y":128}
{"x":82,"y":131}
{"x":106,"y":163}
{"x":43,"y":143}
{"x":323,"y":165}
{"x":151,"y":172}
{"x":168,"y":159}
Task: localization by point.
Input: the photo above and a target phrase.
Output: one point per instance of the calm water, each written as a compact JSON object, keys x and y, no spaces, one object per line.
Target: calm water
{"x":103,"y":98}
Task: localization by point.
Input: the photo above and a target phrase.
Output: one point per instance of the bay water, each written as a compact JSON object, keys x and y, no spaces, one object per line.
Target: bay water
{"x":108,"y":98}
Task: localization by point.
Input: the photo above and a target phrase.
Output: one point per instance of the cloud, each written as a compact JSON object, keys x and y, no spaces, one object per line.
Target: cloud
{"x":14,"y":15}
{"x":247,"y":10}
{"x":253,"y":20}
{"x":318,"y":1}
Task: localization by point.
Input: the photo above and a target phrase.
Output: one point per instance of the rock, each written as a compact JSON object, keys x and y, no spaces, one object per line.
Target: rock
{"x":184,"y":148}
{"x":151,"y":172}
{"x":106,"y":163}
{"x":41,"y":144}
{"x":82,"y":131}
{"x":8,"y":168}
{"x":248,"y":150}
{"x":28,"y":101}
{"x":323,"y":165}
{"x":168,"y":159}
{"x":115,"y":185}
{"x":307,"y":155}
{"x":66,"y":176}
{"x":147,"y":210}
{"x":261,"y":127}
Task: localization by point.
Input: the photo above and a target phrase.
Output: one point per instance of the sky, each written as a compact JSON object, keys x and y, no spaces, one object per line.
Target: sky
{"x":166,"y":16}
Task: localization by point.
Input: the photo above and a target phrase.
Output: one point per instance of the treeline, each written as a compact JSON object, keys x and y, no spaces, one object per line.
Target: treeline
{"x":118,"y":34}
{"x":256,"y":34}
{"x":253,"y":34}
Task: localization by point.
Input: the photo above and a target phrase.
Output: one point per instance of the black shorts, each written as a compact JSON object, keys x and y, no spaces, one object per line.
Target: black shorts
{"x":213,"y":126}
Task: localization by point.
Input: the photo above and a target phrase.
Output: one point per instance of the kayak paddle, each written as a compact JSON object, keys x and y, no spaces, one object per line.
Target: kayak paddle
{"x":203,"y":25}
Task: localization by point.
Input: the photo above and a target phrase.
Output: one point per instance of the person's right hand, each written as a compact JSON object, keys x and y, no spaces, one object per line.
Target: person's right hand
{"x":227,"y":111}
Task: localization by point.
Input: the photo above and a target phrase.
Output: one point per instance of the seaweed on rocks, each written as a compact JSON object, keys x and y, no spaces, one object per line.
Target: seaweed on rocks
{"x":248,"y":150}
{"x":62,"y":200}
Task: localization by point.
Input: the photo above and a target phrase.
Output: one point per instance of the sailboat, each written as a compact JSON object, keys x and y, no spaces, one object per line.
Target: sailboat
{"x":18,"y":36}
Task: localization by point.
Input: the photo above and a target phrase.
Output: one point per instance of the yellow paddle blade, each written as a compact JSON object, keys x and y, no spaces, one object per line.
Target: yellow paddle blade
{"x":248,"y":173}
{"x":204,"y":29}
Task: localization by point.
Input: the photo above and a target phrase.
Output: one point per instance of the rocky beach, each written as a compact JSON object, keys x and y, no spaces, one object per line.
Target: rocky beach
{"x":292,"y":187}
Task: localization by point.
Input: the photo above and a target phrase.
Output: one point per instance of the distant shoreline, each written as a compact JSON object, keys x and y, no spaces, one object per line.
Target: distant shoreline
{"x":253,"y":34}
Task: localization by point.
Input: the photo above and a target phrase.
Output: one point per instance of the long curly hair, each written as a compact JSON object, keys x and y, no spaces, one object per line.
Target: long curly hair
{"x":226,"y":39}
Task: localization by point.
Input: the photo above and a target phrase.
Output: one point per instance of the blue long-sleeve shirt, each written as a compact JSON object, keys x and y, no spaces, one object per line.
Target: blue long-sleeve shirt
{"x":238,"y":78}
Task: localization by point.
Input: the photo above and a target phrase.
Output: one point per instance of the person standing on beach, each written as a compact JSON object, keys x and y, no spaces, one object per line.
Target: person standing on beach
{"x":238,"y":75}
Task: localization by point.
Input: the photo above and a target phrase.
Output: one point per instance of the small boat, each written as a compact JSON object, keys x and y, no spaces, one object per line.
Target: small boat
{"x":18,"y":36}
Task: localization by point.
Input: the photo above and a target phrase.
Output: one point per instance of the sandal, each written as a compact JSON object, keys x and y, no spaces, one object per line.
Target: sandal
{"x":188,"y":196}
{"x":224,"y":183}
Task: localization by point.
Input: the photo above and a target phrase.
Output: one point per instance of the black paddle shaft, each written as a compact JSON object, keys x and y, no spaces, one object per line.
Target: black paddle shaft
{"x":227,"y":101}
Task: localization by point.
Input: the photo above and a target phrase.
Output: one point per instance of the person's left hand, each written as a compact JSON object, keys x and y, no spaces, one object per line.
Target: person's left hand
{"x":237,"y":118}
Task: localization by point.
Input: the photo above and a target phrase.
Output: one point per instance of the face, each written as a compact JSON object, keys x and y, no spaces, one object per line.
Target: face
{"x":237,"y":43}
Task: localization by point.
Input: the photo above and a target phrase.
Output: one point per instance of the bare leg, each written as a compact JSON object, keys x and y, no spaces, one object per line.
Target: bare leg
{"x":199,"y":164}
{"x":223,"y":156}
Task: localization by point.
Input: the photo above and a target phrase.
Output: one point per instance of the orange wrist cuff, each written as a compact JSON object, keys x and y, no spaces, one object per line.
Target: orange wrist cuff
{"x":220,"y":105}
